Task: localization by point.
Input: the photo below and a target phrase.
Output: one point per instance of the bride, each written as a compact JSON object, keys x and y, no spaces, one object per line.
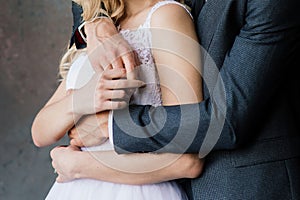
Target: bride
{"x":85,"y":93}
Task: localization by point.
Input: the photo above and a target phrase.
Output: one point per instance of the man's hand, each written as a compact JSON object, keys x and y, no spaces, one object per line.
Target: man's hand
{"x":91,"y":130}
{"x":65,"y":162}
{"x":106,"y":47}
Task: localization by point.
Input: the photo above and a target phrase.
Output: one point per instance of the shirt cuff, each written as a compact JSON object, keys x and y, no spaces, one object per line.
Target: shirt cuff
{"x":110,"y":127}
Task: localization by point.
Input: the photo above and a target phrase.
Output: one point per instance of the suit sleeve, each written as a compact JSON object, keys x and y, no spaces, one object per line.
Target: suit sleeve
{"x":77,"y":21}
{"x":262,"y":55}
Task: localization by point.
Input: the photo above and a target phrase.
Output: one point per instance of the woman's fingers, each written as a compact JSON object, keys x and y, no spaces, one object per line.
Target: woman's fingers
{"x":115,"y":105}
{"x":123,"y":84}
{"x":115,"y":73}
{"x":117,"y":64}
{"x":112,"y":80}
{"x":114,"y":94}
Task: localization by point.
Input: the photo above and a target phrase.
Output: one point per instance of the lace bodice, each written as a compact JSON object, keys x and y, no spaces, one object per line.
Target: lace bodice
{"x":140,"y":41}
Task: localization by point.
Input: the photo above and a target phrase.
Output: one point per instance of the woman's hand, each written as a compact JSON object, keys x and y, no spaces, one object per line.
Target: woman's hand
{"x":105,"y":91}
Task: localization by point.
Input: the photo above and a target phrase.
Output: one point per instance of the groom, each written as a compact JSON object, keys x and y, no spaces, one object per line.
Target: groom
{"x":255,"y":45}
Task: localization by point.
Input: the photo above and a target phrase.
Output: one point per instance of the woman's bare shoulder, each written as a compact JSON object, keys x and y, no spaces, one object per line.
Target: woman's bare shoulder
{"x":171,"y":15}
{"x":174,"y":17}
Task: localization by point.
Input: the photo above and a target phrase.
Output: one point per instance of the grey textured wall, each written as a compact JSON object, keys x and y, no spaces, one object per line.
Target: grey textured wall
{"x":33,"y":36}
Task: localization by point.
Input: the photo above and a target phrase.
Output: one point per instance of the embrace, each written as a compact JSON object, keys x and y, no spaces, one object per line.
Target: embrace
{"x":166,"y":99}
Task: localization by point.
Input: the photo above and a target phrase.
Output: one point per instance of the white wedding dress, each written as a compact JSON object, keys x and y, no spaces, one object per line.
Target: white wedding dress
{"x":79,"y":74}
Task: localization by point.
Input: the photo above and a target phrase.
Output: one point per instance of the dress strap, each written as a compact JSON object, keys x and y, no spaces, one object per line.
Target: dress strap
{"x":159,"y":4}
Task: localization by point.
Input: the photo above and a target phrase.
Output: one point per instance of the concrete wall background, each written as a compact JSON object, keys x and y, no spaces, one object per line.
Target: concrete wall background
{"x":33,"y":36}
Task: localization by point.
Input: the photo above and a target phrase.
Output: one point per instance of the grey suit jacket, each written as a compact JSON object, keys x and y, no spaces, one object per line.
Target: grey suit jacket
{"x":255,"y":44}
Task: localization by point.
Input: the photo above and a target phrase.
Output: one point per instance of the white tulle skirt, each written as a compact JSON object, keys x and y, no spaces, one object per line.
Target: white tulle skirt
{"x":87,"y":189}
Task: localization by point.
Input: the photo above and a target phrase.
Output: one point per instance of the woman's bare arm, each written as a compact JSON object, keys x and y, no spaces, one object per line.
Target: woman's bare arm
{"x":64,"y":109}
{"x":54,"y":119}
{"x":177,"y":55}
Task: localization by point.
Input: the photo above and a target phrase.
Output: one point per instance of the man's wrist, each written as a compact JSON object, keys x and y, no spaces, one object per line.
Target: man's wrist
{"x":103,"y":123}
{"x":99,"y":19}
{"x":105,"y":28}
{"x":79,"y":167}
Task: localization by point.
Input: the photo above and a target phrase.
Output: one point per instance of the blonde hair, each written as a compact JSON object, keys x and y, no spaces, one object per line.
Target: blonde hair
{"x":115,"y":9}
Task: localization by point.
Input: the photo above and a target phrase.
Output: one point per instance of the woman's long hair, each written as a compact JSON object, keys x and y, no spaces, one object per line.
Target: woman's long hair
{"x":115,"y":9}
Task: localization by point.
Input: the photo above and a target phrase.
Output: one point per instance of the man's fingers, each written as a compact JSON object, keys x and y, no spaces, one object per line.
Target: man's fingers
{"x":53,"y":165}
{"x":73,"y":148}
{"x":76,"y":142}
{"x":59,"y":179}
{"x":88,"y":141}
{"x":53,"y":151}
{"x":72,"y":133}
{"x":73,"y":142}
